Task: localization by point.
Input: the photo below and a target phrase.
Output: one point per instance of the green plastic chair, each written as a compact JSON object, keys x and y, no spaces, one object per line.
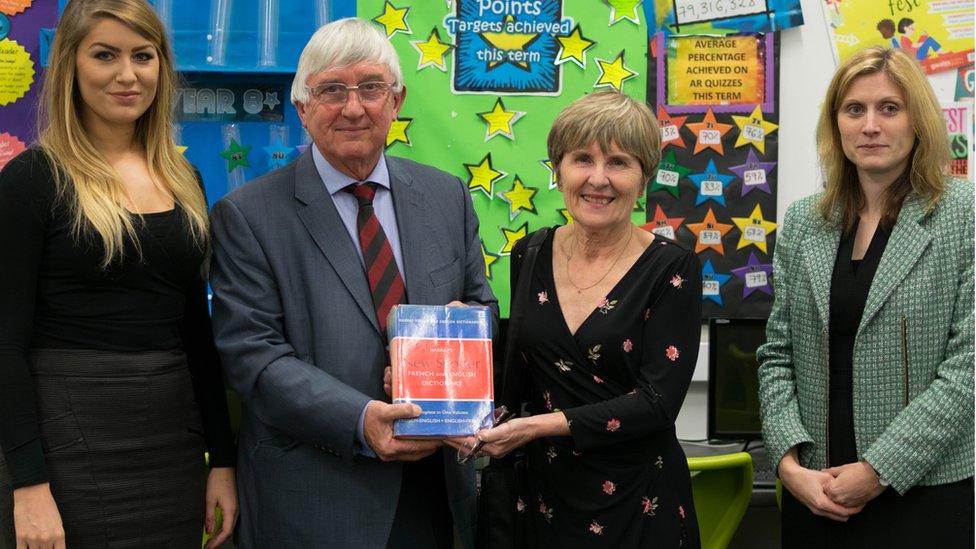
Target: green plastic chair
{"x":722,"y":487}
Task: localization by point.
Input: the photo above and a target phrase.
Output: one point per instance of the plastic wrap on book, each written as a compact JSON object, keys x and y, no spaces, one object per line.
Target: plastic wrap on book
{"x":441,"y":361}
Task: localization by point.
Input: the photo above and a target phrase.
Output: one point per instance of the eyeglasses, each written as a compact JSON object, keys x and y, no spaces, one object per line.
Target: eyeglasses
{"x":336,"y":93}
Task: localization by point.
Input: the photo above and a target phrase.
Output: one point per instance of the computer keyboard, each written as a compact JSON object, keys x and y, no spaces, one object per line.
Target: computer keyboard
{"x":762,"y":471}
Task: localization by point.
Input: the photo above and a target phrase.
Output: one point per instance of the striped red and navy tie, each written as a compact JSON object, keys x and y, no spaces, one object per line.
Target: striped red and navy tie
{"x":385,"y":283}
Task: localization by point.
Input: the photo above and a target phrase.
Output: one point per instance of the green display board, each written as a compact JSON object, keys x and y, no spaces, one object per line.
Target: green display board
{"x":486,"y":78}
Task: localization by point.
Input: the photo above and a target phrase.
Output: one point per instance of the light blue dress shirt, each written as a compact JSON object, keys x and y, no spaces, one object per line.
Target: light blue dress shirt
{"x":348,"y":208}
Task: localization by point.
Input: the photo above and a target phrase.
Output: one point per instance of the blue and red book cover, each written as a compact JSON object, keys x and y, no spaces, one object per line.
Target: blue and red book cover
{"x":441,"y":361}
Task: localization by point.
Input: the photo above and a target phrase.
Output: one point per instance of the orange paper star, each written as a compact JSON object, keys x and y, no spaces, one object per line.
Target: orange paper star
{"x":708,"y":233}
{"x":709,"y":133}
{"x":670,"y":128}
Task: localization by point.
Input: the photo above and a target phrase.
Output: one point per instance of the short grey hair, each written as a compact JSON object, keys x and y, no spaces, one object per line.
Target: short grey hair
{"x":340,"y":44}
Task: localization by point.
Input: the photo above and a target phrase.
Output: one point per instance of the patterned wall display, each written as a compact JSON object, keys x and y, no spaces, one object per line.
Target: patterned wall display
{"x":485,"y":79}
{"x":715,"y":189}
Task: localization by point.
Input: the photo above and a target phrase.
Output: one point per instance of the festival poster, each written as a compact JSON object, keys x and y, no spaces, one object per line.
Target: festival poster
{"x":486,"y":78}
{"x":959,"y":124}
{"x":722,"y":17}
{"x":965,"y":82}
{"x":716,"y":99}
{"x":938,"y":33}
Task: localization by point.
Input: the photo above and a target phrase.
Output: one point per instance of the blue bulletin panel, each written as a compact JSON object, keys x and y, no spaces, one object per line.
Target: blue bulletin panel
{"x":237,"y":59}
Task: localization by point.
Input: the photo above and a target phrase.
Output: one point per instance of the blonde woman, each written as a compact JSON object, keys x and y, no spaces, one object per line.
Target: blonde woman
{"x":866,"y":379}
{"x":112,"y":389}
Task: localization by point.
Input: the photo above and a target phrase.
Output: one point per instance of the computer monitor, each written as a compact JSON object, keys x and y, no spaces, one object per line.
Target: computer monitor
{"x":733,"y":384}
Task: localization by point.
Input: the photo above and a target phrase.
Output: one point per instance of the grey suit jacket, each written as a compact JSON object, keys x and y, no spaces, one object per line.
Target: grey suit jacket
{"x":296,"y":330}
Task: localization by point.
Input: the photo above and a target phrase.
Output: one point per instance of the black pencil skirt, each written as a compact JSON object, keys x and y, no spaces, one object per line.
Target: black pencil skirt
{"x":123,"y":445}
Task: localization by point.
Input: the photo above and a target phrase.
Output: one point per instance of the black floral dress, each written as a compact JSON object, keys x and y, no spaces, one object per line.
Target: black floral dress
{"x":621,"y":479}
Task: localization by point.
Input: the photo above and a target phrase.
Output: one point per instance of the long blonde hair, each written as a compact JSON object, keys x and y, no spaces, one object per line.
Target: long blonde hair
{"x":97,"y":200}
{"x":929,"y":156}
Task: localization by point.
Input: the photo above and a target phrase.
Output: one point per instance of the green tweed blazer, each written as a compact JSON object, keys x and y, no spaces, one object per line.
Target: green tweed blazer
{"x":913,"y":352}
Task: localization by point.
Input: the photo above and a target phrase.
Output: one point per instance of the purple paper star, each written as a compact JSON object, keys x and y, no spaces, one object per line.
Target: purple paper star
{"x":754,"y":174}
{"x":751,"y":277}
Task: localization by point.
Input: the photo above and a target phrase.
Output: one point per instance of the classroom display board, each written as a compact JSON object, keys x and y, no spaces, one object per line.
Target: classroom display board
{"x":715,"y":189}
{"x":485,"y":79}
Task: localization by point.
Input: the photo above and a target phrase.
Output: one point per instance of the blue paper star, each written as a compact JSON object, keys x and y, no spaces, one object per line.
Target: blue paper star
{"x":755,"y":282}
{"x":278,"y":153}
{"x":749,"y":174}
{"x":712,"y":177}
{"x":708,"y":274}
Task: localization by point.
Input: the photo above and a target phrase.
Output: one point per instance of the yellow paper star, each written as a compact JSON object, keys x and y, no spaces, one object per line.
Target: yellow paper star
{"x":552,"y":173}
{"x":511,"y":237}
{"x":394,"y":20}
{"x":509,"y":42}
{"x":490,"y":260}
{"x":483,"y":176}
{"x":573,"y":48}
{"x":753,"y":129}
{"x":181,"y":149}
{"x":755,"y":230}
{"x":614,"y":73}
{"x":398,"y":132}
{"x":500,"y":121}
{"x":567,"y":217}
{"x":432,"y":51}
{"x":623,"y":9}
{"x":519,"y":198}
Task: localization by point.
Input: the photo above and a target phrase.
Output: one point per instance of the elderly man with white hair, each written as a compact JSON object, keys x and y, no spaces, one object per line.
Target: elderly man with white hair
{"x":308,"y":261}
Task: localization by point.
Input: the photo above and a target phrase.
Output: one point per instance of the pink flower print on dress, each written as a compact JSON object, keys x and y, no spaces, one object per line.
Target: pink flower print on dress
{"x":672,"y":353}
{"x":520,"y":505}
{"x":551,"y":454}
{"x":649,"y":505}
{"x":677,"y":281}
{"x":564,"y":365}
{"x":547,"y":397}
{"x":544,"y":510}
{"x":681,"y":511}
{"x":613,"y":425}
{"x":647,"y":315}
{"x":543,"y":297}
{"x":597,"y":379}
{"x":628,"y":345}
{"x":596,"y":528}
{"x":606,"y":305}
{"x":609,"y":487}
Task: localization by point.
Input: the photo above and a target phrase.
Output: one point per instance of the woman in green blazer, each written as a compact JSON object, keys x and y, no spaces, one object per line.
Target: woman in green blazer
{"x":866,"y":378}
